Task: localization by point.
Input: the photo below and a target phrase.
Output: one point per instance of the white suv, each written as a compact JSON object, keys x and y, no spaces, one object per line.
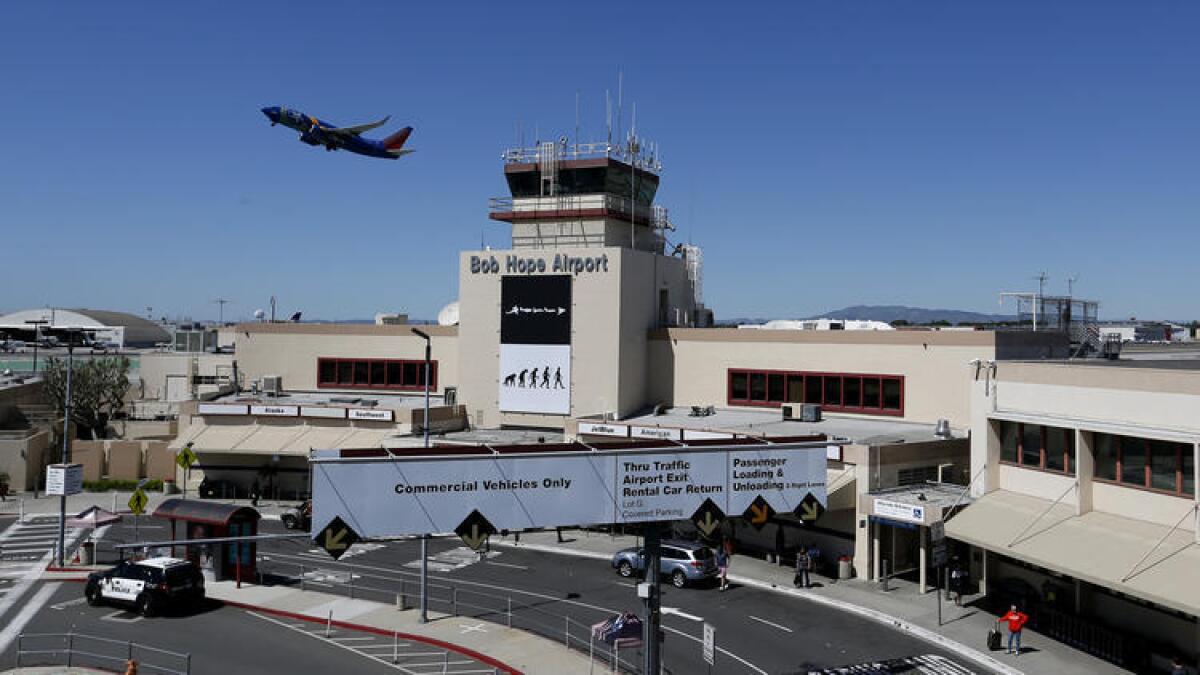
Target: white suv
{"x":149,"y":585}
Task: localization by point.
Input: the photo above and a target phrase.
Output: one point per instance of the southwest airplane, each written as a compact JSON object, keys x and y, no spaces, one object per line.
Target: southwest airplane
{"x":319,"y":132}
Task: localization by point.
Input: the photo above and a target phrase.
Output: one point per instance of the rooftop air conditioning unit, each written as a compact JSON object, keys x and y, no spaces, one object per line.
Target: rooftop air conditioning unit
{"x":272,"y":385}
{"x":802,"y":412}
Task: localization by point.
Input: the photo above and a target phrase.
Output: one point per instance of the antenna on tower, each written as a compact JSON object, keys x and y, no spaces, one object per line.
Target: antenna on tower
{"x":1071,"y":285}
{"x":1042,"y":278}
{"x":576,"y":123}
{"x":608,"y":116}
{"x":620,"y":100}
{"x":221,"y":302}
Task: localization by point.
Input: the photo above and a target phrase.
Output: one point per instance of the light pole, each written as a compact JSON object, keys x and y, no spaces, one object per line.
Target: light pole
{"x":66,"y":453}
{"x":37,"y":326}
{"x":425,"y":538}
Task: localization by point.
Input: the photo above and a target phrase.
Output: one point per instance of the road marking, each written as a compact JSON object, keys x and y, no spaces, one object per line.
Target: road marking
{"x":331,"y":642}
{"x":682,"y":614}
{"x":121,"y":616}
{"x":500,"y":564}
{"x":69,"y":603}
{"x":352,"y":639}
{"x":477,"y":628}
{"x":27,"y":612}
{"x":391,"y":575}
{"x":770,"y":623}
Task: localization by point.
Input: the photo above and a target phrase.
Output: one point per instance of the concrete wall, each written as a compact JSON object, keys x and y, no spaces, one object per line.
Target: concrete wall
{"x":291,"y":350}
{"x":23,"y":457}
{"x":156,"y":368}
{"x":612,"y":311}
{"x":690,"y":366}
{"x":125,"y":460}
{"x":91,"y":455}
{"x":160,"y":462}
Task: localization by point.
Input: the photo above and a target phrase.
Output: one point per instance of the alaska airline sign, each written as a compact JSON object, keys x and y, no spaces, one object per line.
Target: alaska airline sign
{"x":392,"y":497}
{"x":560,"y":264}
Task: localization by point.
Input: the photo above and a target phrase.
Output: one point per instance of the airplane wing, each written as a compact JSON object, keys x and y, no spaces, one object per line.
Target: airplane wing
{"x":354,"y":131}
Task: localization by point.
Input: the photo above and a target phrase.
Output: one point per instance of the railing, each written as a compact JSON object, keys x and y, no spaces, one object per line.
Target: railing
{"x":78,"y":649}
{"x":617,"y":205}
{"x":531,"y":615}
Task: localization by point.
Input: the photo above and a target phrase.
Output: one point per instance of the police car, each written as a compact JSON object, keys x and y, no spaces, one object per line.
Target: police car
{"x":150,"y":585}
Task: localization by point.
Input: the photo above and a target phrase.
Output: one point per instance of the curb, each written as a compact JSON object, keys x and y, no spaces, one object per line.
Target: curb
{"x":448,"y":646}
{"x":865,"y":612}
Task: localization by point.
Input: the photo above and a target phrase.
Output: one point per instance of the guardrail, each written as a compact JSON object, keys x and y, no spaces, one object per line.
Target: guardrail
{"x":79,"y":649}
{"x":459,"y":601}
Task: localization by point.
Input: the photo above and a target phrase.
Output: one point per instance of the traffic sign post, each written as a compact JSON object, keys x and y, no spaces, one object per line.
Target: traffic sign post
{"x":185,"y":459}
{"x":336,"y":538}
{"x":707,"y":518}
{"x":759,"y":513}
{"x":475,"y":530}
{"x":650,"y":629}
{"x":137,"y":505}
{"x":709,"y":648}
{"x":810,"y":509}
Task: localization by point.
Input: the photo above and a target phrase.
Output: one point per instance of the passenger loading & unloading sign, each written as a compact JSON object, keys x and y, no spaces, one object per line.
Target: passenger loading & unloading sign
{"x":406,"y":496}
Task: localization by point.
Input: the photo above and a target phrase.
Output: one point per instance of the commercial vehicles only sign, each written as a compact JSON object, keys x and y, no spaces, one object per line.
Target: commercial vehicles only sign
{"x":388,"y":497}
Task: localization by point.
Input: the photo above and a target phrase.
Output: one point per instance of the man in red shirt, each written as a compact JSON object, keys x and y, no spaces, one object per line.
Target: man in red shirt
{"x":1016,"y":621}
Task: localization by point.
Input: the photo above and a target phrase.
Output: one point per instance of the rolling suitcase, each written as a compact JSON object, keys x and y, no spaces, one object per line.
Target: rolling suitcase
{"x":993,"y":640}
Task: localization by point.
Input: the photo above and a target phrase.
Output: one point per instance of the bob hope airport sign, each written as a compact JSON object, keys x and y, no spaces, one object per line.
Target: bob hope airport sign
{"x":559,"y":264}
{"x":400,"y":496}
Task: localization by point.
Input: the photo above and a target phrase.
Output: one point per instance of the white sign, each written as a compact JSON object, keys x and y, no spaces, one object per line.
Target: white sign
{"x":64,"y":479}
{"x":221,"y":409}
{"x":908,"y":513}
{"x":535,"y":378}
{"x":658,"y":433}
{"x":710,"y":643}
{"x":697,"y":435}
{"x":371,"y":414}
{"x":388,"y":497}
{"x":275,"y":410}
{"x":834,"y":452}
{"x":322,"y":411}
{"x":593,"y":429}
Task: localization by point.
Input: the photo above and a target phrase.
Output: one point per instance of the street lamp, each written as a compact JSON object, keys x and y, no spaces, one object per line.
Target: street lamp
{"x":425,"y":539}
{"x":37,"y":325}
{"x":66,"y":451}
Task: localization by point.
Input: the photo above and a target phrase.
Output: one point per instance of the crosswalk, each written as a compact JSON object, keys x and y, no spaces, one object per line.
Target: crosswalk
{"x":405,"y":656}
{"x":26,"y":547}
{"x":925,"y":664}
{"x":27,"y":541}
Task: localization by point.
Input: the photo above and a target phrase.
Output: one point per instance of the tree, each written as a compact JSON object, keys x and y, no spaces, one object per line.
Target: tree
{"x":98,"y":390}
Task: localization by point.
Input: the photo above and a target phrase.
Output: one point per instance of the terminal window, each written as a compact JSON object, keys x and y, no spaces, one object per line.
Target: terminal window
{"x":1035,"y":446}
{"x":834,"y":392}
{"x":396,"y":374}
{"x":1151,"y":464}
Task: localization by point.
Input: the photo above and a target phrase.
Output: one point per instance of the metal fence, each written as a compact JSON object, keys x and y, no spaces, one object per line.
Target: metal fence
{"x":573,"y":632}
{"x":79,"y":649}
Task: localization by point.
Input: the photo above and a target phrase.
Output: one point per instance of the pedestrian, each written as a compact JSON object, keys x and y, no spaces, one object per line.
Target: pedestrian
{"x":803,"y":569}
{"x":958,"y":581}
{"x":814,"y":555}
{"x":723,"y":567}
{"x":1016,"y":621}
{"x":254,"y":490}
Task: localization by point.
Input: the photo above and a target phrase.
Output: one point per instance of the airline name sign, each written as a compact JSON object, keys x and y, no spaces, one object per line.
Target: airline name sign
{"x":389,"y":497}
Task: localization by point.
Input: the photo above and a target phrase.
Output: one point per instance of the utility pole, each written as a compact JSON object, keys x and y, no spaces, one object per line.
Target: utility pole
{"x":425,"y":426}
{"x":650,"y":629}
{"x":37,"y":336}
{"x":66,"y":451}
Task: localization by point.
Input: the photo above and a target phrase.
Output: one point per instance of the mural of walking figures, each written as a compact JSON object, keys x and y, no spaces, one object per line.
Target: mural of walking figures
{"x":535,"y":344}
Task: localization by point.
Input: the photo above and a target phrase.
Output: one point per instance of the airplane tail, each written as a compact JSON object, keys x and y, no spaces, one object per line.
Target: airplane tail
{"x":395,"y":142}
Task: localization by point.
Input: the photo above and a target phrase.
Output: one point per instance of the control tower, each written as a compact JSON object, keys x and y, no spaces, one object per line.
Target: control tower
{"x":557,"y":325}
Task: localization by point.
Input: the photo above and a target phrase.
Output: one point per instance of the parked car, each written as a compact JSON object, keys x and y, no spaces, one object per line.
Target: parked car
{"x":683,"y":562}
{"x":298,"y":517}
{"x":13,"y":346}
{"x":150,"y":586}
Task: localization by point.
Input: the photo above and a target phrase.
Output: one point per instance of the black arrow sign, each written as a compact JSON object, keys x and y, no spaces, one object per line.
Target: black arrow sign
{"x":707,"y":518}
{"x":758,"y":513}
{"x":475,"y":529}
{"x":809,"y":509}
{"x":336,"y":538}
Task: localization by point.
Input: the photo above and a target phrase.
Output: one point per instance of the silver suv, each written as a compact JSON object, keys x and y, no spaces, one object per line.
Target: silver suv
{"x":683,"y":562}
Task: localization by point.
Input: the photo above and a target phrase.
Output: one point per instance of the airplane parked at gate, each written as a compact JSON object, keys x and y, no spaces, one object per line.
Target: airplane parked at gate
{"x":319,"y":132}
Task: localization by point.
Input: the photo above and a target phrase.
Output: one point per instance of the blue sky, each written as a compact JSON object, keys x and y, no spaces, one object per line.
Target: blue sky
{"x":823,"y":153}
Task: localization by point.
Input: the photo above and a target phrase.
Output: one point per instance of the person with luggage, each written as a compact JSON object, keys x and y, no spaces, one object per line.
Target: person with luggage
{"x":1016,"y":622}
{"x":803,"y":569}
{"x":723,"y":567}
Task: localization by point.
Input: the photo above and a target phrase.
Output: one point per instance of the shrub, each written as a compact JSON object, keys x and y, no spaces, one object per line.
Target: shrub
{"x":120,"y":484}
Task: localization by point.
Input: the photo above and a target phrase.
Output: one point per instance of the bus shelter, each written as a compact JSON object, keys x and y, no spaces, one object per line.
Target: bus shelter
{"x":212,"y":520}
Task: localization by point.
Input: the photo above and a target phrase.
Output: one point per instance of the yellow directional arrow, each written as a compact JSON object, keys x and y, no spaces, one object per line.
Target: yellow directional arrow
{"x":810,"y":511}
{"x":335,"y":543}
{"x":760,"y":514}
{"x":709,"y":524}
{"x":475,"y":538}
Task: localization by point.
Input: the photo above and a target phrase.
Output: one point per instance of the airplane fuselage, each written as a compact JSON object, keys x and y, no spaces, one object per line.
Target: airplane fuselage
{"x":314,"y":131}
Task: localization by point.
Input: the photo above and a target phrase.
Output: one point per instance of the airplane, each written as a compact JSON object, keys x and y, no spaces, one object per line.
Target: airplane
{"x":319,"y":132}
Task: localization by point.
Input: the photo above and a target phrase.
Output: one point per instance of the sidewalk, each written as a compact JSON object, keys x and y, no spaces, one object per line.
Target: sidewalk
{"x":522,"y":651}
{"x":963,"y":630}
{"x":26,"y":504}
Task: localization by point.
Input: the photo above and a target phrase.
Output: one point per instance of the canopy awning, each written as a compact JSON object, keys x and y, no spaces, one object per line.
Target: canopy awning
{"x":212,"y":437}
{"x":196,"y":511}
{"x":93,"y":517}
{"x":269,"y":439}
{"x":1099,"y":548}
{"x":319,"y":437}
{"x":366,"y":438}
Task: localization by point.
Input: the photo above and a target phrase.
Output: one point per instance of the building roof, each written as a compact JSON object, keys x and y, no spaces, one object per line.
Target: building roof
{"x":859,"y":430}
{"x":138,"y":331}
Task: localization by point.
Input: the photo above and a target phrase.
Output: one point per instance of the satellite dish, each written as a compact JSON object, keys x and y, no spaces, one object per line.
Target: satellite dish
{"x":449,"y":315}
{"x":259,"y":314}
